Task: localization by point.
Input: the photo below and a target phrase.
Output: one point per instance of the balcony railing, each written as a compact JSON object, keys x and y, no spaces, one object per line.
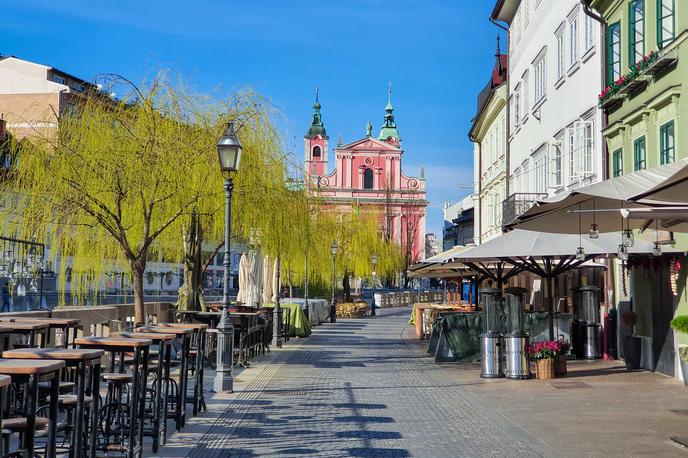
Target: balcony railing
{"x":517,"y":204}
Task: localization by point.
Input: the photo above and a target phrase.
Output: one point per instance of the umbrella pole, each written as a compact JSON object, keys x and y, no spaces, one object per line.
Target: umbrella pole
{"x":550,"y":306}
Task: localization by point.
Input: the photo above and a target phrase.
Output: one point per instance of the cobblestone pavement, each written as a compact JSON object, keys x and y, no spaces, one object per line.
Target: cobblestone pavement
{"x":357,"y":388}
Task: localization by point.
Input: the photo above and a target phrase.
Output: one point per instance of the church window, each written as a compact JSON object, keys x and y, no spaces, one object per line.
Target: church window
{"x":368,"y":179}
{"x":316,"y":151}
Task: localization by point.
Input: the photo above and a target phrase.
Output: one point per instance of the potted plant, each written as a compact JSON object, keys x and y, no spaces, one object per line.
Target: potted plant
{"x":632,"y":345}
{"x":560,"y":361}
{"x":544,"y":353}
{"x":680,"y":324}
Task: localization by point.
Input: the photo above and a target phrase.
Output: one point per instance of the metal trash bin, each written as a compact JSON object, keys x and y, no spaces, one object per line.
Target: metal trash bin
{"x":517,"y":363}
{"x":491,"y":339}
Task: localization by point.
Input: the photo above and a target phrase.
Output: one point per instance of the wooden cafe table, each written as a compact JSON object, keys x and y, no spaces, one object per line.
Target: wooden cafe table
{"x":139,"y":347}
{"x":199,"y":335}
{"x":64,"y":324}
{"x":182,"y":334}
{"x":79,"y":359}
{"x":29,"y":371}
{"x":162,"y":371}
{"x":28,"y":328}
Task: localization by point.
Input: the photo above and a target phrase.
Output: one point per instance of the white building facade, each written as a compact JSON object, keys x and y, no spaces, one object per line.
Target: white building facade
{"x":489,"y":136}
{"x":555,"y":52}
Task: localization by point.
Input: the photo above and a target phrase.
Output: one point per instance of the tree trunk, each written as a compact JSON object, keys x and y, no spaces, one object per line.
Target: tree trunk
{"x":346,"y":285}
{"x":138,"y":267}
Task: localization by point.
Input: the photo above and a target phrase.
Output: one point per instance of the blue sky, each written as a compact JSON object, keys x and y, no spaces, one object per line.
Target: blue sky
{"x":437,"y":53}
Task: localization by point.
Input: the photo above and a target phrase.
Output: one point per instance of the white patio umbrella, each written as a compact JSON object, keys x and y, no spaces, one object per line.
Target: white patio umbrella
{"x":243,"y":279}
{"x":267,"y":280}
{"x":606,"y":203}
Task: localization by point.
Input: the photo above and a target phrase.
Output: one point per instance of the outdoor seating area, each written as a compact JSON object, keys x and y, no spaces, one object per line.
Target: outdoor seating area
{"x":66,"y":393}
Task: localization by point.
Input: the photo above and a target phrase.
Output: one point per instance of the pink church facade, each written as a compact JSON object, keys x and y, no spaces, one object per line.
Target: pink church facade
{"x":368,"y":173}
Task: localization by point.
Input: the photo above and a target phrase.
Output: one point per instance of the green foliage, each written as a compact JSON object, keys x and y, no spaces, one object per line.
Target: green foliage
{"x":116,"y":184}
{"x":680,"y":324}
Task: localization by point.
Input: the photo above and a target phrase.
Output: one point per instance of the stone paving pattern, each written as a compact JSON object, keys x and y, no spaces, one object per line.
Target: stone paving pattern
{"x":367,"y":388}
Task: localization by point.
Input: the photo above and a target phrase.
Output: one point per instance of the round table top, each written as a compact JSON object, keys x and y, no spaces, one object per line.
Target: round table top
{"x":29,"y":366}
{"x":5,"y":380}
{"x":154,"y":336}
{"x":78,"y":354}
{"x":166,"y":330}
{"x":107,"y":342}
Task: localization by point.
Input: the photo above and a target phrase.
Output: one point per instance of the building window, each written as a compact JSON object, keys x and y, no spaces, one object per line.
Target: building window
{"x":617,"y":163}
{"x":572,"y":154}
{"x":666,"y":143}
{"x":555,"y":165}
{"x":665,"y":22}
{"x":589,"y":32}
{"x":368,"y":179}
{"x":316,"y":151}
{"x":573,"y":41}
{"x":560,"y":54}
{"x":637,"y":30}
{"x":540,"y":78}
{"x":517,"y":107}
{"x":639,"y":154}
{"x":613,"y":52}
{"x":584,"y":134}
{"x":59,"y":80}
{"x":525,"y":94}
{"x":540,"y":172}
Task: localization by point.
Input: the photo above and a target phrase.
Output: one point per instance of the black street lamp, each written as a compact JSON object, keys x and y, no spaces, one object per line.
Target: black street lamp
{"x":333,"y":309}
{"x":372,"y":307}
{"x":229,"y":154}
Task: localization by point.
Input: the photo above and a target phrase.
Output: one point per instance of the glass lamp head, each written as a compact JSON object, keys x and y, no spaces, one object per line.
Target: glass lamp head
{"x":229,"y":150}
{"x":334,"y":248}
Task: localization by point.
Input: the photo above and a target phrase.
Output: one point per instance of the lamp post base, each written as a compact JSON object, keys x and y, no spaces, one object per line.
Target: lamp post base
{"x":223,"y":383}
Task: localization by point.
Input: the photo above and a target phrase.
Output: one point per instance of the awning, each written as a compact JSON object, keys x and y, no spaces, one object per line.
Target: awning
{"x":544,"y":254}
{"x":602,"y":203}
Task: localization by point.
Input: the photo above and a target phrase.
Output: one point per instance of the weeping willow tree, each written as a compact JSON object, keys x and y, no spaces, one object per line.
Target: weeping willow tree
{"x":120,"y":178}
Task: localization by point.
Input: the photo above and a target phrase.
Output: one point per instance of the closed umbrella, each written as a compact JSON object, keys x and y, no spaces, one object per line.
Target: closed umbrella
{"x":276,"y":286}
{"x":243,"y":279}
{"x":267,"y":280}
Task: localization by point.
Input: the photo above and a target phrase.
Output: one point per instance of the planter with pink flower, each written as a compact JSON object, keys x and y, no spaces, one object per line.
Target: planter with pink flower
{"x":544,"y":354}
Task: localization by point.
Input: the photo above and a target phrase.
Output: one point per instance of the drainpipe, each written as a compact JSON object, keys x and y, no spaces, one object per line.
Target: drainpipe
{"x":507,"y":157}
{"x":603,"y":76}
{"x":609,"y":279}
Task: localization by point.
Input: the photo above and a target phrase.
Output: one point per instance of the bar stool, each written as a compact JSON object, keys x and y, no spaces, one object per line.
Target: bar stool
{"x":134,"y":410}
{"x":79,"y":360}
{"x":28,"y":372}
{"x":197,"y":354}
{"x":183,"y":336}
{"x":162,"y":376}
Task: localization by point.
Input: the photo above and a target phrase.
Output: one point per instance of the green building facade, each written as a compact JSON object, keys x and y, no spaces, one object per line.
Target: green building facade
{"x":646,"y":71}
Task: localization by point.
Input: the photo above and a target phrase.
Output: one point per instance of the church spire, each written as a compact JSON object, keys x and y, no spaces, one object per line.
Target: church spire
{"x":317,"y":126}
{"x":389,"y":128}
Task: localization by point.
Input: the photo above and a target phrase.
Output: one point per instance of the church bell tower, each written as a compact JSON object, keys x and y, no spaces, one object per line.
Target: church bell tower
{"x":315,"y":144}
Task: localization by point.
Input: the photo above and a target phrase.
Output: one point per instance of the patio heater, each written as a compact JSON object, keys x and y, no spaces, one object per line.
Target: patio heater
{"x":516,"y":340}
{"x":589,"y":298}
{"x":491,"y":339}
